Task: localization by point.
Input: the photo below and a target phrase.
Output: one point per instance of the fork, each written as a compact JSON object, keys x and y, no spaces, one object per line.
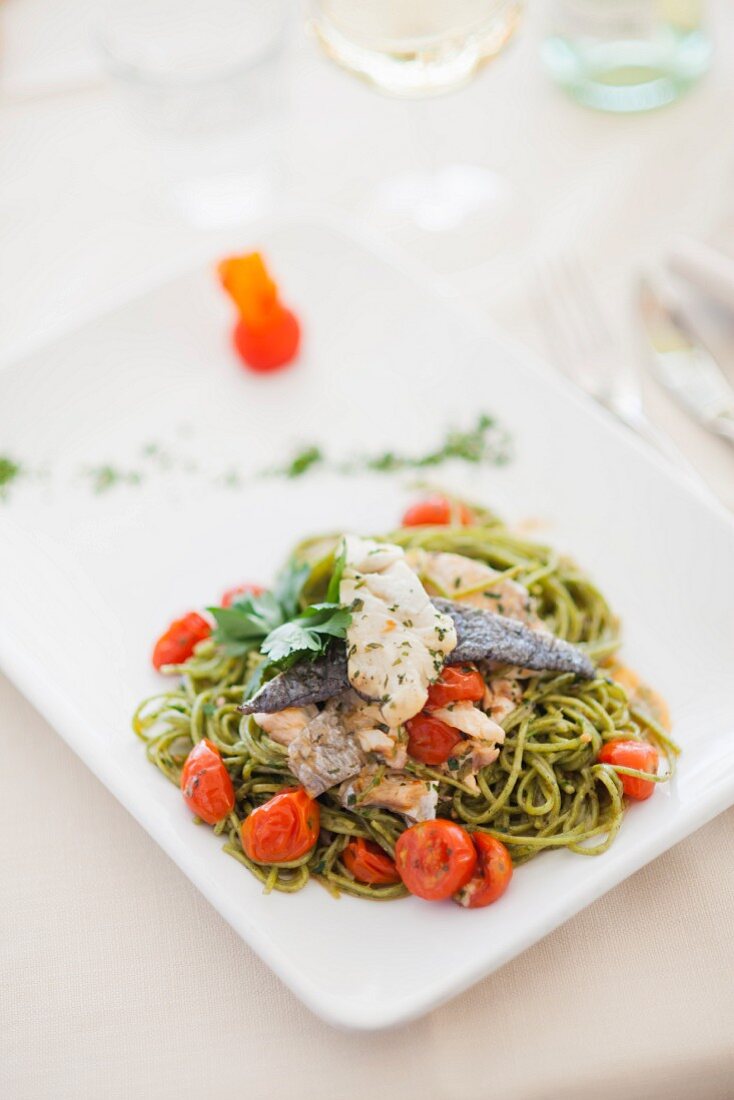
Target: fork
{"x":581,"y":340}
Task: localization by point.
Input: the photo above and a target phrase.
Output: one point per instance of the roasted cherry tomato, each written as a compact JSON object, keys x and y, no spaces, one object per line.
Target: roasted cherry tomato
{"x":177,"y":644}
{"x":430,"y":740}
{"x":206,"y":784}
{"x":282,"y":829}
{"x":435,"y":858}
{"x":232,"y":594}
{"x":632,"y":754}
{"x":457,"y":684}
{"x":437,"y":511}
{"x":368,"y":863}
{"x":491,"y":876}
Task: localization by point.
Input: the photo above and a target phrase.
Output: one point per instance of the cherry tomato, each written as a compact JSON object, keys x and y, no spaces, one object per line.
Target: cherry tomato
{"x":283,"y":829}
{"x":231,"y":594}
{"x":435,"y":858}
{"x":437,"y":511}
{"x":430,"y":740}
{"x":632,"y":754}
{"x":269,"y":346}
{"x":368,"y":863}
{"x":492,"y":875}
{"x":206,"y":784}
{"x":177,"y":643}
{"x":456,"y":684}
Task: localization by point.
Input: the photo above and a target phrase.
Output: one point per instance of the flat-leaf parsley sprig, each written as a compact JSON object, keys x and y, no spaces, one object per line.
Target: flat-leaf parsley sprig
{"x":274,"y":624}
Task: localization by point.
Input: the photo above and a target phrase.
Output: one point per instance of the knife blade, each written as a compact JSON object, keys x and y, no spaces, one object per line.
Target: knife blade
{"x":684,"y":365}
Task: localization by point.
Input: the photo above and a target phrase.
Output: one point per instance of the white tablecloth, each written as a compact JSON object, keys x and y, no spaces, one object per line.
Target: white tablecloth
{"x":118,"y":979}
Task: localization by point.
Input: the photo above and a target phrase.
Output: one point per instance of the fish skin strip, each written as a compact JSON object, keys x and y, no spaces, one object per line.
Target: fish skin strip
{"x":307,"y":682}
{"x":485,"y":636}
{"x":482,"y":635}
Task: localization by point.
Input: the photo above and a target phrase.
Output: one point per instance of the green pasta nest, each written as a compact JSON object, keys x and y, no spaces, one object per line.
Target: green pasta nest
{"x":545,"y":790}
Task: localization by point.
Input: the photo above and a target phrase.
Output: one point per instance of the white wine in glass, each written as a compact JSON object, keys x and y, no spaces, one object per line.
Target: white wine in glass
{"x":414,"y":47}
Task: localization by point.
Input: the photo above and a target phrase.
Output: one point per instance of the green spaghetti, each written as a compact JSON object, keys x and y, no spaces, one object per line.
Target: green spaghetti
{"x":545,"y":790}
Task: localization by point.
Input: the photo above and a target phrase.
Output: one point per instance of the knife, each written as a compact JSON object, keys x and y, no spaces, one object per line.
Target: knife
{"x":684,"y":366}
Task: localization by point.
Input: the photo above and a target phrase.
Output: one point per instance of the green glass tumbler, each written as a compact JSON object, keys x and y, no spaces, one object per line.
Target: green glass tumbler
{"x":626,"y":55}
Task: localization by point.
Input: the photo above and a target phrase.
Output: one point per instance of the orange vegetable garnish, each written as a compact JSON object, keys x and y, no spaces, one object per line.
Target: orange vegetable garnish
{"x":266,"y":335}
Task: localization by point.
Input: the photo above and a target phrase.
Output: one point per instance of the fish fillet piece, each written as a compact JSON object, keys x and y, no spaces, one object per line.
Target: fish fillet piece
{"x":502,"y":694}
{"x":456,"y":577}
{"x":415,"y":798}
{"x":472,"y":721}
{"x":483,"y":736}
{"x":284,"y":726}
{"x":472,"y":757}
{"x":364,"y":720}
{"x":397,"y":640}
{"x":481,"y":635}
{"x":324,"y":753}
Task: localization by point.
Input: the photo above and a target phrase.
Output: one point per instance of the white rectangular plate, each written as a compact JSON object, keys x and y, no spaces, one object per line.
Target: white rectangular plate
{"x":89,"y":580}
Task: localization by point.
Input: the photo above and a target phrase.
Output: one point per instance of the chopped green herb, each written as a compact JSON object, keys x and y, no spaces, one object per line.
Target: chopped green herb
{"x":301,"y":463}
{"x":232,"y":479}
{"x":9,"y":471}
{"x":106,"y":476}
{"x":483,"y":444}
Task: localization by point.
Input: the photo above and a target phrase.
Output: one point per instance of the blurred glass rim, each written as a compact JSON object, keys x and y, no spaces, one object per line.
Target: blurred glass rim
{"x":108,"y":24}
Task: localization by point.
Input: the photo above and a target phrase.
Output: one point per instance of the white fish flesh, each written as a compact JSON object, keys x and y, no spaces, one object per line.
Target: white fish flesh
{"x":415,"y":798}
{"x":397,"y":640}
{"x":285,"y":725}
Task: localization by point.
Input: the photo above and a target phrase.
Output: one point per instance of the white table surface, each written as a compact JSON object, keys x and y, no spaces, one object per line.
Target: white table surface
{"x":118,"y":978}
